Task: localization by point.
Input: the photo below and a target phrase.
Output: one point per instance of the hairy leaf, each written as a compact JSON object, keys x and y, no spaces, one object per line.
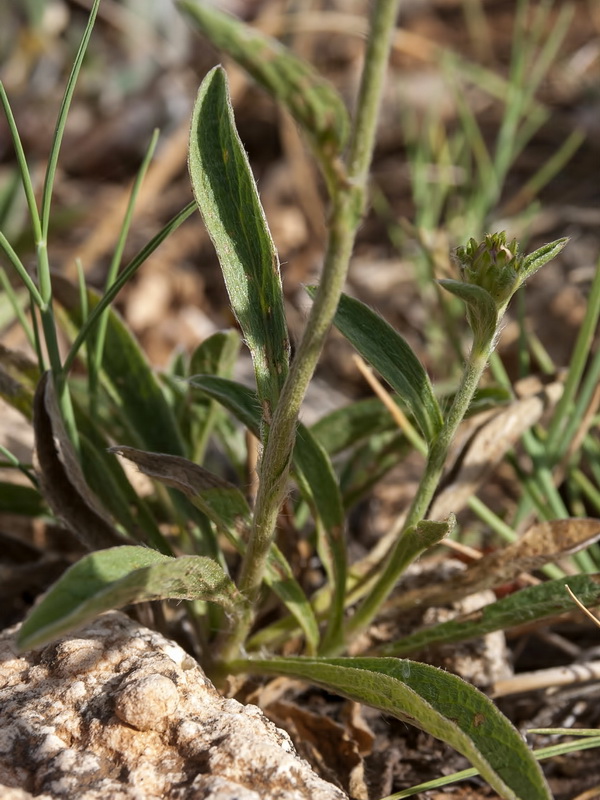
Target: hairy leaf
{"x":530,"y":604}
{"x":390,"y":354}
{"x":226,"y":194}
{"x":311,"y":100}
{"x":118,"y":576}
{"x":435,"y":701}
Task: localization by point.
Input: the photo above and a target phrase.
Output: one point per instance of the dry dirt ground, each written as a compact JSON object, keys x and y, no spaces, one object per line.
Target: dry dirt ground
{"x":142,"y":72}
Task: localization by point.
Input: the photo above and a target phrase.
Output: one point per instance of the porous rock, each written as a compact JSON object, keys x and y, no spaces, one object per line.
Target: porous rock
{"x":118,"y":711}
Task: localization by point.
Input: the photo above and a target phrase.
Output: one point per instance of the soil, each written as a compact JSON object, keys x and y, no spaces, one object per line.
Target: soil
{"x":142,"y":71}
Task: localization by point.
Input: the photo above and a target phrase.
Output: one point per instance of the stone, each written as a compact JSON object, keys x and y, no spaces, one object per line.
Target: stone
{"x":118,"y":711}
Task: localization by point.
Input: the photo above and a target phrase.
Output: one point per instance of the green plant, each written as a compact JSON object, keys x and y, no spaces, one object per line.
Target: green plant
{"x":163,"y":425}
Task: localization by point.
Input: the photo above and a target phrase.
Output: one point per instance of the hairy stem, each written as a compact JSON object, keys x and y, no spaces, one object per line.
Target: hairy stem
{"x":348,"y":202}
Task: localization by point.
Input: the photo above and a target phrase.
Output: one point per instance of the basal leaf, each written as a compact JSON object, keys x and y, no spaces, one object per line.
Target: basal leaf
{"x":530,"y":604}
{"x":118,"y":576}
{"x":435,"y":701}
{"x":129,"y":376}
{"x":227,"y":508}
{"x":21,"y":500}
{"x":18,"y":378}
{"x":215,"y":356}
{"x":226,"y":194}
{"x":310,"y":99}
{"x":384,"y":348}
{"x":241,"y":401}
{"x":221,"y":501}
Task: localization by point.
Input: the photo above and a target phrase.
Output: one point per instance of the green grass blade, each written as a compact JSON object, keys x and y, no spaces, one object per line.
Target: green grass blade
{"x":440,"y":703}
{"x":21,"y":271}
{"x":530,"y":604}
{"x":228,"y":199}
{"x":60,"y":125}
{"x":100,"y":336}
{"x":121,"y":575}
{"x":312,"y":101}
{"x":126,"y":275}
{"x":541,"y":754}
{"x":387,"y":351}
{"x":23,"y":167}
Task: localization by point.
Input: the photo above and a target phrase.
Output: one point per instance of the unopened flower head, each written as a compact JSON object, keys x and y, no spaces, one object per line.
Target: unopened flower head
{"x":492,"y":264}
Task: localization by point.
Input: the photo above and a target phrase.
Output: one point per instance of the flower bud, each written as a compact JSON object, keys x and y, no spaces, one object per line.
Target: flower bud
{"x":493,"y":264}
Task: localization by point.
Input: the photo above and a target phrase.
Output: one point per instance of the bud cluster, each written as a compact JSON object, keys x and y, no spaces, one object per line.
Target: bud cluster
{"x":493,"y":264}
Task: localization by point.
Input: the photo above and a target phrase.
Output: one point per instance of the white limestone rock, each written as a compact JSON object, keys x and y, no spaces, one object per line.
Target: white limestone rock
{"x":118,"y":711}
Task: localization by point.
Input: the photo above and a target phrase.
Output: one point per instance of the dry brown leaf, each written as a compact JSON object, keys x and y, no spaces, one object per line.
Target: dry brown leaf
{"x":543,"y":543}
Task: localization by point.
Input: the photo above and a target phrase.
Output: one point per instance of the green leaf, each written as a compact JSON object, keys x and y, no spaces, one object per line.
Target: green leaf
{"x":227,"y":508}
{"x":22,"y":500}
{"x":18,"y":378}
{"x":530,"y":604}
{"x":435,"y":701}
{"x":541,"y":256}
{"x":228,"y":199}
{"x":318,"y":483}
{"x":384,"y":348}
{"x":118,"y":576}
{"x":241,"y":401}
{"x":215,"y":356}
{"x":130,"y":378}
{"x":311,"y":100}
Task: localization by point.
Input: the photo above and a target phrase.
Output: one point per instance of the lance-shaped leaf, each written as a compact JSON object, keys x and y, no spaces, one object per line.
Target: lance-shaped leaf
{"x":533,"y":603}
{"x":21,"y":500}
{"x":216,"y":355}
{"x":228,"y":199}
{"x":541,"y":256}
{"x":129,"y":375}
{"x":435,"y":701}
{"x":226,"y":507}
{"x":310,"y":99}
{"x":221,"y":501}
{"x":121,"y":575}
{"x":391,"y":355}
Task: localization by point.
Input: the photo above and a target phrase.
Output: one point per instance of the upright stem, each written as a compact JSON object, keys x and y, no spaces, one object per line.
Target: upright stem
{"x":348,"y":202}
{"x":435,"y":464}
